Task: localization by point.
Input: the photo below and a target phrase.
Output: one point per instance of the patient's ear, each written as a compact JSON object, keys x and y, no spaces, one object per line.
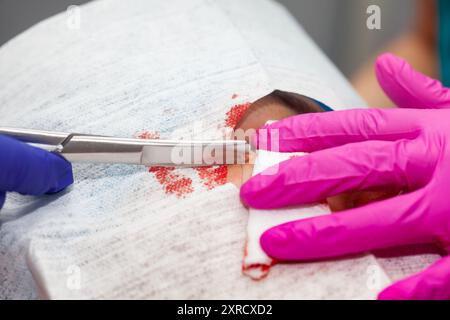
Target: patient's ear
{"x":267,"y":108}
{"x":356,"y":199}
{"x":274,"y":106}
{"x":279,"y":105}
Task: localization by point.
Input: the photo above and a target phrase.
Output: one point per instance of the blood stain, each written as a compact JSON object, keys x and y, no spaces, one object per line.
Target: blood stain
{"x":234,"y":96}
{"x":213,"y":176}
{"x":235,"y":114}
{"x":262,"y":268}
{"x":147,"y":135}
{"x":171,"y":181}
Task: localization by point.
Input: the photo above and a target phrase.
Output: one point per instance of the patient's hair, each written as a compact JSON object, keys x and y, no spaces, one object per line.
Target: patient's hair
{"x":275,"y":106}
{"x":297,"y":102}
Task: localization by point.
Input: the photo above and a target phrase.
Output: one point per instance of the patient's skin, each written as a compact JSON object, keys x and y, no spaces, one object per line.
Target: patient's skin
{"x":279,"y":105}
{"x":270,"y":107}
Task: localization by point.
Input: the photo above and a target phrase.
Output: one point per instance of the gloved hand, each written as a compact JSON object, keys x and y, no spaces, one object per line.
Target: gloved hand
{"x":29,"y":170}
{"x":364,"y":149}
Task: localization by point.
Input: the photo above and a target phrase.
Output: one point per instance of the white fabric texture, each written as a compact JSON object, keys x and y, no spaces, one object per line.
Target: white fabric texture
{"x":173,"y":67}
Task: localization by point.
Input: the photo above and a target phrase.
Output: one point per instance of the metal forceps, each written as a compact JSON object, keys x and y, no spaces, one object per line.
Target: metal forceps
{"x":149,"y":152}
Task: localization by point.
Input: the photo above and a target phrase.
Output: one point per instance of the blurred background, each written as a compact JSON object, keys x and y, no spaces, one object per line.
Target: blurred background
{"x":338,"y":26}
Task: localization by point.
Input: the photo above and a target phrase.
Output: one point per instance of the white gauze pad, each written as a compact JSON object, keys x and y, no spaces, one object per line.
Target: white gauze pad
{"x":256,"y":263}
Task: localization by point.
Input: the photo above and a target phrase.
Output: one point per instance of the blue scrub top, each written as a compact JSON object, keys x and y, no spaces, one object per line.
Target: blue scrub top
{"x":444,"y":41}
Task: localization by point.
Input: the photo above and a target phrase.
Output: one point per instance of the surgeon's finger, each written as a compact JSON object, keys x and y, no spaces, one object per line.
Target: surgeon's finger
{"x":431,"y":284}
{"x":401,"y":165}
{"x":29,"y":170}
{"x":408,"y":88}
{"x":381,"y":224}
{"x":317,"y":131}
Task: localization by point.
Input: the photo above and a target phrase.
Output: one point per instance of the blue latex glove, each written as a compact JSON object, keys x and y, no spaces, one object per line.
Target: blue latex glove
{"x":31,"y":171}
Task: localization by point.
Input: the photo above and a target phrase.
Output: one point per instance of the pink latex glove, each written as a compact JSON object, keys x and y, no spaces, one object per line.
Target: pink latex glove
{"x":363,"y":149}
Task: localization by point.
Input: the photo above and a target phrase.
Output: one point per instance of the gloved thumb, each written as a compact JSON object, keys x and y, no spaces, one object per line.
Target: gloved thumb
{"x":407,"y":87}
{"x":29,"y":170}
{"x":431,"y":284}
